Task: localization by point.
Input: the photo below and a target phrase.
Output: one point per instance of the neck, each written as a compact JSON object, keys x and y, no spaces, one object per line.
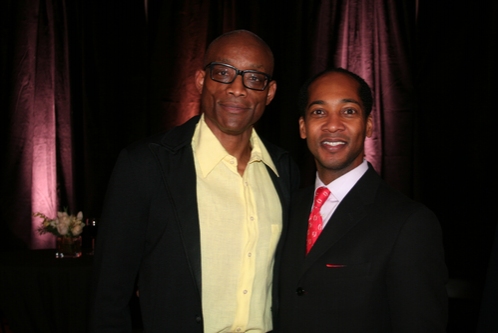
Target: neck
{"x":328,"y":175}
{"x":238,"y":145}
{"x":241,"y":150}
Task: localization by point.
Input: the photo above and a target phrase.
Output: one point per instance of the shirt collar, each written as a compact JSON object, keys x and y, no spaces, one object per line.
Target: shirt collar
{"x":210,"y":151}
{"x":342,"y":185}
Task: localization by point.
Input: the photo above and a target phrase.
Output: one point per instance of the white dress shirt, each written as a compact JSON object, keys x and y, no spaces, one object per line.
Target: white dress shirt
{"x":339,"y":189}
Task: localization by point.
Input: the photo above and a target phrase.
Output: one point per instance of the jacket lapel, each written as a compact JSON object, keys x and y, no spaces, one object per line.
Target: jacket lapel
{"x":352,"y":209}
{"x":179,"y":175}
{"x":296,"y":237}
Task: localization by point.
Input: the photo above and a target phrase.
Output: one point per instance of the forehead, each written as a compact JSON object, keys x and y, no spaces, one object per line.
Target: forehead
{"x":242,"y":51}
{"x":334,"y":85}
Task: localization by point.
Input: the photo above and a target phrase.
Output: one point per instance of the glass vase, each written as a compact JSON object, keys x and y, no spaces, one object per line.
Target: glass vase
{"x":68,"y":247}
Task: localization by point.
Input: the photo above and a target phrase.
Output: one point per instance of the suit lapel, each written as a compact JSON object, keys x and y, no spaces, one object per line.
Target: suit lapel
{"x":352,"y":209}
{"x":179,"y":175}
{"x":303,"y":207}
{"x":296,"y":237}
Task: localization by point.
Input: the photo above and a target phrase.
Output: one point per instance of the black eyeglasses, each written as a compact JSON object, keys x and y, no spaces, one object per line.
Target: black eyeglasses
{"x":224,"y":73}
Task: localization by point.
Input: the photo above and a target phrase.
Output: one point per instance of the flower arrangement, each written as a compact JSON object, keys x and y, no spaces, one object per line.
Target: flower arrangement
{"x":64,"y":225}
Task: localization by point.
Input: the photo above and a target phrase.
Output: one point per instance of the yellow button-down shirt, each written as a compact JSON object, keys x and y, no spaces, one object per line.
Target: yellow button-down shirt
{"x":240,"y":222}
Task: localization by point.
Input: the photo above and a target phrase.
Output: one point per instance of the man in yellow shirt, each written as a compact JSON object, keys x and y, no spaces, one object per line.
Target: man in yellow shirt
{"x":196,"y":214}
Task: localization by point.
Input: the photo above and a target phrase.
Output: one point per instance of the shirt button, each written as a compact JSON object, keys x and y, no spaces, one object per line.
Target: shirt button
{"x":238,"y":329}
{"x":252,"y":218}
{"x":245,"y":292}
{"x":249,"y":254}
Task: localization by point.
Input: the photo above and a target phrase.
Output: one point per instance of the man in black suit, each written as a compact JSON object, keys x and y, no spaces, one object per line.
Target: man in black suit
{"x":195,"y":215}
{"x":369,"y":259}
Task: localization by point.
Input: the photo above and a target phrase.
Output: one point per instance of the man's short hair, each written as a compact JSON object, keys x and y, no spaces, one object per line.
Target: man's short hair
{"x":364,"y":90}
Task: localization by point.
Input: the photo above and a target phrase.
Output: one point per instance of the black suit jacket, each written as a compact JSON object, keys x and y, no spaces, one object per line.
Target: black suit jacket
{"x":378,"y":265}
{"x":150,"y":229}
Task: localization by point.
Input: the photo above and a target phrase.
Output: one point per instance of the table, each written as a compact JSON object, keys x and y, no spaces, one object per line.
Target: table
{"x":39,"y":293}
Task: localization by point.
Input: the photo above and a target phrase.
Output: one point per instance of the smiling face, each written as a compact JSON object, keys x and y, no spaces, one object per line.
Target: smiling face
{"x":232,"y":109}
{"x":335,"y":125}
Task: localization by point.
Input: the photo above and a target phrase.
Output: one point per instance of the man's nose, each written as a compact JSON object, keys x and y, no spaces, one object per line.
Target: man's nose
{"x":237,"y":87}
{"x":334,"y":123}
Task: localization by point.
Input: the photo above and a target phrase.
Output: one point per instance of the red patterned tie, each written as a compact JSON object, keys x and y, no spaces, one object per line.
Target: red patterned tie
{"x":315,"y":219}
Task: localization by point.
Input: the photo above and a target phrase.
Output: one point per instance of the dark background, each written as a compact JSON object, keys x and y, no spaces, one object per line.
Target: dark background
{"x":111,"y":77}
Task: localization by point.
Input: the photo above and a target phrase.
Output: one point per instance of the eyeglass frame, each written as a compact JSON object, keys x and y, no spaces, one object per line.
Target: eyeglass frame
{"x":238,"y":72}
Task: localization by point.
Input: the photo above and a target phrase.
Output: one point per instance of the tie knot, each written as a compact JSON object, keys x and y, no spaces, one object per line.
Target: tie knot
{"x":321,"y":195}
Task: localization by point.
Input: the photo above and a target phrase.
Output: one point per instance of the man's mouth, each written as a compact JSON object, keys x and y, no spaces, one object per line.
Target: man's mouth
{"x":234,"y":106}
{"x":333,"y":143}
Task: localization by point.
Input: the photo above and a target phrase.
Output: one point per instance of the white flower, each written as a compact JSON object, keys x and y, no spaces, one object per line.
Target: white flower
{"x":63,"y":218}
{"x":62,"y":223}
{"x":62,"y":228}
{"x":77,"y":229}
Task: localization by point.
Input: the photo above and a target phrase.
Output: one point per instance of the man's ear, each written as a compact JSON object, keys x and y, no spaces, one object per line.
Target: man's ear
{"x":199,"y":80}
{"x":271,"y":92}
{"x":303,"y":130}
{"x":369,"y":126}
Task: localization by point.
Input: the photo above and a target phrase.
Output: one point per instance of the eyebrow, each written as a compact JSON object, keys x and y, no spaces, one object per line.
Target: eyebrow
{"x":344,"y":100}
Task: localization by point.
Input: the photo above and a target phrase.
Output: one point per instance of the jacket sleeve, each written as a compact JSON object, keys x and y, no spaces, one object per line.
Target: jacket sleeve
{"x":417,"y":275}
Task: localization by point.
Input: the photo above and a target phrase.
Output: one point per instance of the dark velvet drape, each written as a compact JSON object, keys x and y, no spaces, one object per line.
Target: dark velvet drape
{"x":101,"y":74}
{"x":82,"y":79}
{"x":372,"y":39}
{"x":39,"y":154}
{"x":363,"y":36}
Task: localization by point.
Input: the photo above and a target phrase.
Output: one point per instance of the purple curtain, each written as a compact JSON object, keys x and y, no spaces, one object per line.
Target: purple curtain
{"x":181,"y":37}
{"x":107,"y":78}
{"x":370,"y":38}
{"x":39,"y":164}
{"x":82,"y":79}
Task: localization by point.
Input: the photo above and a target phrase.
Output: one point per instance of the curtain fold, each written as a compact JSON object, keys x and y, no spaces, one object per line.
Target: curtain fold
{"x":180,"y":37}
{"x":370,"y":39}
{"x":39,"y":159}
{"x":89,"y":78}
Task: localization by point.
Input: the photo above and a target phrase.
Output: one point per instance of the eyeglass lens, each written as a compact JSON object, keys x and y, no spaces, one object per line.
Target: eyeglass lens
{"x":225,"y":74}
